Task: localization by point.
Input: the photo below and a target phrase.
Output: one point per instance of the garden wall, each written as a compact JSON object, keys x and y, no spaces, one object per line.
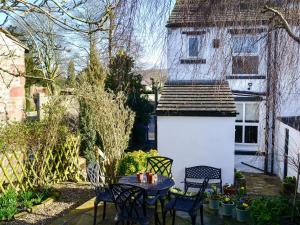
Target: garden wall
{"x":293,"y":147}
{"x":194,"y":141}
{"x":12,"y":68}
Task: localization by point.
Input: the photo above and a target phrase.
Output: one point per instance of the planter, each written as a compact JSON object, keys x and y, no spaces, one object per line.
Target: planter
{"x":214,"y":204}
{"x":227,"y":209}
{"x":287,"y":220}
{"x":242,"y":215}
{"x":288,"y":188}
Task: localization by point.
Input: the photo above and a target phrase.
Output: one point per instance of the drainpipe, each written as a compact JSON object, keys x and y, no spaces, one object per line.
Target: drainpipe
{"x":267,"y":127}
{"x":274,"y":99}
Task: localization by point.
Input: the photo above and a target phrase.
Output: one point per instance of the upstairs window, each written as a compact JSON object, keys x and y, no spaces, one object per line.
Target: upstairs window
{"x":246,"y":128}
{"x":245,"y":59}
{"x":193,"y":43}
{"x":245,"y":45}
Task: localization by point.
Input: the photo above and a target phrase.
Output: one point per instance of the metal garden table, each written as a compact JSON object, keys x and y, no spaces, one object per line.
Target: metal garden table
{"x":162,"y":185}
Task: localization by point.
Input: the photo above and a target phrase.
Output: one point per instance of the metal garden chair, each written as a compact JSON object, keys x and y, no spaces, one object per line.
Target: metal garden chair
{"x":194,"y":176}
{"x":188,"y":204}
{"x":131,"y":204}
{"x":162,"y":166}
{"x":103,"y":194}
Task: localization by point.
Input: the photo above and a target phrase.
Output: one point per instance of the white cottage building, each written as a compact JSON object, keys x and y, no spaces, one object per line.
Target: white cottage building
{"x":229,"y":42}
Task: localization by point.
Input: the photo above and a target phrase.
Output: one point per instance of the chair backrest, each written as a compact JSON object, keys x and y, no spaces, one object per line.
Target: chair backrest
{"x":200,"y":195}
{"x":130,"y":200}
{"x":160,"y":165}
{"x":202,"y":172}
{"x":94,"y":176}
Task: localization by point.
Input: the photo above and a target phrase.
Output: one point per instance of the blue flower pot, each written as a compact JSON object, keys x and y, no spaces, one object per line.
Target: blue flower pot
{"x":214,"y":204}
{"x":242,"y":215}
{"x":227,"y":209}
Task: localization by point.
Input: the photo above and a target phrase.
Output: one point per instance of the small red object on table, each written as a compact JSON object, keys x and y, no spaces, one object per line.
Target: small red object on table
{"x":139,"y":177}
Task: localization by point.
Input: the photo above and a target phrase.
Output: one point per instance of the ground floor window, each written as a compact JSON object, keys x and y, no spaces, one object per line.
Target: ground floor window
{"x":151,"y":129}
{"x":246,"y":128}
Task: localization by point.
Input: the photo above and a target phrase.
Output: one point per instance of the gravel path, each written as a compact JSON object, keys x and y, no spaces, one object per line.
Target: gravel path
{"x":72,"y":195}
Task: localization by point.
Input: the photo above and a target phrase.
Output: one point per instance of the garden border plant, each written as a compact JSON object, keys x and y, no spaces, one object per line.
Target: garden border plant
{"x":14,"y":204}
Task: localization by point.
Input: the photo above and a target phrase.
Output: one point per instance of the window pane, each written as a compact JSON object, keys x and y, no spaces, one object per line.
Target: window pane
{"x":193,"y":47}
{"x":245,"y":45}
{"x":238,"y":134}
{"x":245,"y":64}
{"x":151,"y":129}
{"x":251,"y":134}
{"x":252,"y":112}
{"x":239,"y":109}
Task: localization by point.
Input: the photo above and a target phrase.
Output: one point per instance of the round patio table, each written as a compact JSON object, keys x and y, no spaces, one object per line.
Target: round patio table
{"x":163,"y":183}
{"x":160,"y":188}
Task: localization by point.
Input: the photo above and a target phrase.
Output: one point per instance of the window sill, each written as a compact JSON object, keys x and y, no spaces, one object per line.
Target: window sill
{"x":193,"y":61}
{"x":246,"y":77}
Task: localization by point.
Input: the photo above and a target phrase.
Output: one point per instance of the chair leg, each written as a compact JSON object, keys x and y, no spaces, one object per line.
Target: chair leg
{"x":201,"y":214}
{"x":173,"y":219}
{"x":193,"y":217}
{"x":164,"y":217}
{"x":104,"y":211}
{"x":162,"y":204}
{"x":95,"y":212}
{"x":155,"y":214}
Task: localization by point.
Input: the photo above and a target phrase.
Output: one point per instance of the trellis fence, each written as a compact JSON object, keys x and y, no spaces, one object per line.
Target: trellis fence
{"x":24,"y":169}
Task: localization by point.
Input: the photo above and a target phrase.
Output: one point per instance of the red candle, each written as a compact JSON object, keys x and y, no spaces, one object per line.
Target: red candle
{"x":139,"y":177}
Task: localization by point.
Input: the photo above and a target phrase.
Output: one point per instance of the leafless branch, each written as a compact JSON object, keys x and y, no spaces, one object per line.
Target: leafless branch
{"x":284,"y":24}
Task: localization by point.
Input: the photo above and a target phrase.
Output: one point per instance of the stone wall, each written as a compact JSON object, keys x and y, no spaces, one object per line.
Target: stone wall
{"x":12,"y":82}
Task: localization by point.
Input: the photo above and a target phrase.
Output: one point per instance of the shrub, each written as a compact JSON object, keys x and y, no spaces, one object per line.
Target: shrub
{"x":8,"y":204}
{"x":239,"y":175}
{"x":135,"y":162}
{"x":269,"y":211}
{"x":105,"y":124}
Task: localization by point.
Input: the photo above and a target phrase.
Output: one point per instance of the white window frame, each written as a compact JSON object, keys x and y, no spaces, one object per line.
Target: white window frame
{"x":244,"y":124}
{"x":244,"y":53}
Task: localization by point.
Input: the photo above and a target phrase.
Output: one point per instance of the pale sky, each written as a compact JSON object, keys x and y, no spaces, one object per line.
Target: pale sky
{"x":153,"y":42}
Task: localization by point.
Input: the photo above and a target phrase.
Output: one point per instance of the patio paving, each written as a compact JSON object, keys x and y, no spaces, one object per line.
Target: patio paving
{"x":257,"y":184}
{"x":83,"y":215}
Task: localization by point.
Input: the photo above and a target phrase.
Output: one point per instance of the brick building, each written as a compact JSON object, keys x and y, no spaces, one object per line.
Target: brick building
{"x":12,"y":81}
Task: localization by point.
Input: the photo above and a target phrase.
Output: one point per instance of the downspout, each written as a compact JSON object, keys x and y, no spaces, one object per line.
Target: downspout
{"x":269,"y":72}
{"x":274,"y":99}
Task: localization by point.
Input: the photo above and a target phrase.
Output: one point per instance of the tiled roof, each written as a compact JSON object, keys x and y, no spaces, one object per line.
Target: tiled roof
{"x":197,"y":13}
{"x":196,"y":98}
{"x":293,"y":121}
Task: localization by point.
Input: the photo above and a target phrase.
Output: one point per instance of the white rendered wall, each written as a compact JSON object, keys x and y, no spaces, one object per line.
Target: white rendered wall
{"x":218,"y":60}
{"x":294,"y":149}
{"x":194,"y":141}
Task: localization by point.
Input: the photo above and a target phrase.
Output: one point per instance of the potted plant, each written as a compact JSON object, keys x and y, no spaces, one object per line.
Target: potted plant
{"x":239,"y":179}
{"x":229,"y":189}
{"x":288,"y":185}
{"x":228,"y":205}
{"x":205,"y":198}
{"x":242,"y":211}
{"x":214,"y":198}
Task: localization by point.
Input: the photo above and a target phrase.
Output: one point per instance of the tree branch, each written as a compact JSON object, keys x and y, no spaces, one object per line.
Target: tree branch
{"x":284,"y":23}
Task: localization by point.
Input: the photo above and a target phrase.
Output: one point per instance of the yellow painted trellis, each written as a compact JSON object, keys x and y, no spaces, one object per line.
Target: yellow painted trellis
{"x":24,"y":169}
